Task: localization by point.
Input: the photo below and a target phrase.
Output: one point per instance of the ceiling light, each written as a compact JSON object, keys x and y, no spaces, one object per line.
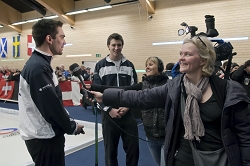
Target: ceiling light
{"x":18,"y":23}
{"x":50,"y":17}
{"x":76,"y":12}
{"x":164,"y":43}
{"x":230,"y":39}
{"x":210,"y":38}
{"x":34,"y":20}
{"x":1,"y":26}
{"x":100,"y":8}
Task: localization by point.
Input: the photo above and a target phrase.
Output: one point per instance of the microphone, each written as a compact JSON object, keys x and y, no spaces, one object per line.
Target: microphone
{"x":76,"y":71}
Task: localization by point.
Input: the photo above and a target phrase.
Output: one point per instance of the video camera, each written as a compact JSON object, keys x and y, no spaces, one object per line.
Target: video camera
{"x":222,"y":49}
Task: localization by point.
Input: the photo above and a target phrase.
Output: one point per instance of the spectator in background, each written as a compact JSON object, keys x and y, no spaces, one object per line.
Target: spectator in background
{"x":116,"y":70}
{"x":168,"y":70}
{"x":175,"y":70}
{"x":60,"y":76}
{"x":43,"y":120}
{"x":14,"y":75}
{"x":224,"y":65}
{"x":86,"y":75}
{"x":83,"y":73}
{"x":5,"y":72}
{"x":234,"y":67}
{"x":57,"y":70}
{"x":242,"y":75}
{"x":65,"y":73}
{"x":90,"y":78}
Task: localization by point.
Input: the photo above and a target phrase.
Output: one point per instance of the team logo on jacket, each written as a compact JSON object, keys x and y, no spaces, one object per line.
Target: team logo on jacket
{"x":246,"y":81}
{"x":45,"y":87}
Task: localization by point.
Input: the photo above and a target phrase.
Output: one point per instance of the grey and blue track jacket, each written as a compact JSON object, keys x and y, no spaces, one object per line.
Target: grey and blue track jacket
{"x":41,"y":113}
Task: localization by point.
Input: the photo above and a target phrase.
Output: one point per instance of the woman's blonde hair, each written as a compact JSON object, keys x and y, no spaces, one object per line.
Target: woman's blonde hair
{"x":156,"y":61}
{"x":206,"y":52}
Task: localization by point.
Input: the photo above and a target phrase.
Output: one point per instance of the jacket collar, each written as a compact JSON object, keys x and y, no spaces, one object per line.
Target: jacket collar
{"x":47,"y":56}
{"x":122,"y":60}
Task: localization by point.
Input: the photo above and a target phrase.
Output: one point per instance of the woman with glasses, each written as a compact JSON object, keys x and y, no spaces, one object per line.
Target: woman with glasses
{"x":202,"y":111}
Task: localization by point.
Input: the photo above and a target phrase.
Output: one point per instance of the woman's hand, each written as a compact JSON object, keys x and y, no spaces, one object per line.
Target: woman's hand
{"x":97,"y":96}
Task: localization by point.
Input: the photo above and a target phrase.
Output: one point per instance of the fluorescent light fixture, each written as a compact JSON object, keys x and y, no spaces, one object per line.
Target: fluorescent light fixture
{"x":18,"y":23}
{"x":230,"y":39}
{"x":1,"y":26}
{"x":100,"y":8}
{"x":34,"y":20}
{"x":80,"y":55}
{"x":6,"y":60}
{"x":68,"y":44}
{"x":76,"y":12}
{"x":180,"y":42}
{"x":50,"y":17}
{"x":165,"y":43}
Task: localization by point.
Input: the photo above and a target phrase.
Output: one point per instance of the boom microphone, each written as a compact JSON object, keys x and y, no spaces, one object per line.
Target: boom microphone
{"x":76,"y":71}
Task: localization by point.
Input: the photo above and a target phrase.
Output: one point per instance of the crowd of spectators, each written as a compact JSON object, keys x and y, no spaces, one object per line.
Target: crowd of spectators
{"x":64,"y":75}
{"x":9,"y":74}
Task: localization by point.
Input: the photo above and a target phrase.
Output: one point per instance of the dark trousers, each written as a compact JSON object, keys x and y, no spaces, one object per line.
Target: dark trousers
{"x":112,"y":134}
{"x":47,"y":152}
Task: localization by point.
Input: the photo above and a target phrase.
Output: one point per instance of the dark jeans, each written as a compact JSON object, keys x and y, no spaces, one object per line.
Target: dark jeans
{"x":112,"y":134}
{"x":47,"y":152}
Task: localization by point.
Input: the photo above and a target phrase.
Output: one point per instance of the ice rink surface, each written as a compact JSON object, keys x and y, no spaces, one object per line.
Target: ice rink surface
{"x":13,"y":151}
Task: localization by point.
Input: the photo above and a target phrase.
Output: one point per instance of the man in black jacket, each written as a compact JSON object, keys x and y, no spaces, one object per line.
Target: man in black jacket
{"x":116,"y":70}
{"x":43,"y":119}
{"x":242,"y":75}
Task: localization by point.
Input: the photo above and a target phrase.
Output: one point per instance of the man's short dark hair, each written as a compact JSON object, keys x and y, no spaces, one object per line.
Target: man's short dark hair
{"x":169,"y":66}
{"x":224,"y":65}
{"x":247,"y":63}
{"x":115,"y":36}
{"x":43,"y":28}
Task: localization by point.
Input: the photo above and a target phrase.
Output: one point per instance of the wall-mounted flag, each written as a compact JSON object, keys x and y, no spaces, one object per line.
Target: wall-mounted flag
{"x":3,"y":47}
{"x":16,"y":46}
{"x":31,"y":44}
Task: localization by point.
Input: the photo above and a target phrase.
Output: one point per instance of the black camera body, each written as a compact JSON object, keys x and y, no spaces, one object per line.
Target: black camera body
{"x":222,"y":49}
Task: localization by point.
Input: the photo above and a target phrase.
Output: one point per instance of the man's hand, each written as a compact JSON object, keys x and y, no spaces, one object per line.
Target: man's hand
{"x":122,"y":110}
{"x":114,"y":113}
{"x":79,"y":129}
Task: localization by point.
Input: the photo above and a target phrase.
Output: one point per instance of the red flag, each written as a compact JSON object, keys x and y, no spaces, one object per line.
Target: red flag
{"x":31,"y":44}
{"x":71,"y":93}
{"x":6,"y":89}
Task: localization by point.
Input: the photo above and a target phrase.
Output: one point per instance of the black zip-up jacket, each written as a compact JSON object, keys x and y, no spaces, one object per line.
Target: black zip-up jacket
{"x":153,"y":119}
{"x":241,"y":76}
{"x":41,"y":112}
{"x":235,"y":121}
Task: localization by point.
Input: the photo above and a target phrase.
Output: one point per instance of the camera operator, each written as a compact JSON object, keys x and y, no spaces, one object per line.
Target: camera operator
{"x":242,"y":75}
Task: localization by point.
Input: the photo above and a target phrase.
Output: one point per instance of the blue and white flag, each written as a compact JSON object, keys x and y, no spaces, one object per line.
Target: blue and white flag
{"x":3,"y":47}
